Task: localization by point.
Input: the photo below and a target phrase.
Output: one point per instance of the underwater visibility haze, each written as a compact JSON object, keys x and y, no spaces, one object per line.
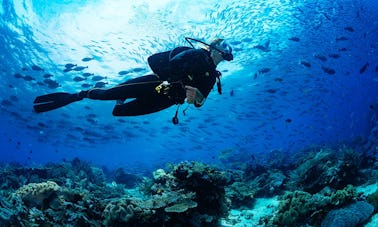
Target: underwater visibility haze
{"x":304,"y":75}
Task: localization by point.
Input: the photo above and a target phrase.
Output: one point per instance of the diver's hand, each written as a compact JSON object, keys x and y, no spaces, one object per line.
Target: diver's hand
{"x":194,"y":96}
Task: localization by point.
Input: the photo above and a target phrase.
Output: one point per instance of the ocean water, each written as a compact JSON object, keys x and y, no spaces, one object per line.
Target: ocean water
{"x":305,"y":73}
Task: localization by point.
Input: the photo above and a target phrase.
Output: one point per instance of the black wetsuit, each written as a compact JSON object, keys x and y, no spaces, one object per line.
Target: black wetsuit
{"x":180,"y":67}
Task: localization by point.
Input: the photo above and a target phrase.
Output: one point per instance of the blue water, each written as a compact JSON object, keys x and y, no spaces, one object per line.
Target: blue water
{"x":288,"y":108}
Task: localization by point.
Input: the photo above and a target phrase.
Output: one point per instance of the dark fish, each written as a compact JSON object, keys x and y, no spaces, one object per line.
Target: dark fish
{"x":232,"y":93}
{"x":28,"y":78}
{"x":67,"y":70}
{"x":137,"y":70}
{"x":350,"y":29}
{"x":255,"y":76}
{"x":376,"y":68}
{"x":328,"y":70}
{"x":43,"y":125}
{"x":51,"y":83}
{"x":78,"y":79}
{"x":86,"y":85}
{"x":335,"y":56}
{"x":320,"y":57}
{"x":278,"y":79}
{"x":264,"y":70}
{"x":98,"y":78}
{"x":271,"y":91}
{"x":124,"y":72}
{"x":100,"y":85}
{"x":70,"y":65}
{"x":364,"y":68}
{"x":6,"y":102}
{"x":88,"y":74}
{"x":288,"y":120}
{"x":341,"y":38}
{"x":247,"y":40}
{"x":295,"y":39}
{"x":264,"y":47}
{"x":13,"y":98}
{"x":305,"y":63}
{"x":17,"y":75}
{"x":24,"y":69}
{"x":343,"y":49}
{"x":47,"y":75}
{"x":87,"y":59}
{"x":79,"y":68}
{"x":37,"y":68}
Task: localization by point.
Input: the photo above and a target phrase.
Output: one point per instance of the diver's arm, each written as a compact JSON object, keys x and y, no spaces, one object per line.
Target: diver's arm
{"x":194,"y":96}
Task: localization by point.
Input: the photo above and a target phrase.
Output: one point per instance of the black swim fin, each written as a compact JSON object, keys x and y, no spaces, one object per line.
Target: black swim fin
{"x":54,"y":101}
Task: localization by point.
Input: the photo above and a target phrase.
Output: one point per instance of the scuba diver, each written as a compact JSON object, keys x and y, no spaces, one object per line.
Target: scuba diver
{"x":184,"y":73}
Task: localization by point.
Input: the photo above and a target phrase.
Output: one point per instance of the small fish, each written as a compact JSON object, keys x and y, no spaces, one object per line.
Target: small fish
{"x":278,"y":79}
{"x":14,"y":98}
{"x":328,"y":70}
{"x":67,"y":70}
{"x":80,"y":68}
{"x":47,"y":75}
{"x":137,"y":70}
{"x":264,"y":47}
{"x":86,"y":85}
{"x":24,"y":69}
{"x":232,"y":93}
{"x":17,"y":75}
{"x":288,"y":120}
{"x":343,"y":49}
{"x":320,"y":57}
{"x":124,"y":72}
{"x":376,"y":68}
{"x":341,"y":38}
{"x":98,"y":78}
{"x":88,"y":74}
{"x":255,"y":76}
{"x":307,"y":64}
{"x":28,"y":78}
{"x":70,"y":65}
{"x":87,"y":59}
{"x":264,"y":70}
{"x":335,"y":56}
{"x":295,"y":39}
{"x":271,"y":91}
{"x":78,"y":78}
{"x":6,"y":102}
{"x":51,"y":83}
{"x":364,"y":68}
{"x":100,"y":84}
{"x":37,"y":68}
{"x":350,"y":29}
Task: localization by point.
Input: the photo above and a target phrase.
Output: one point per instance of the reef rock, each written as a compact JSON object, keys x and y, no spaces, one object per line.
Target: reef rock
{"x":38,"y":194}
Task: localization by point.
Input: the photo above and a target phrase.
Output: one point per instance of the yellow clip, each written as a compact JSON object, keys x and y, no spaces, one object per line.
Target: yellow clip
{"x":163,"y":85}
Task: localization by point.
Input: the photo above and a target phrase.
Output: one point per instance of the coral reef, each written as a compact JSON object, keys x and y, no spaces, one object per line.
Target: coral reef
{"x":351,"y":215}
{"x":373,"y":200}
{"x":326,"y":167}
{"x":298,"y":208}
{"x":75,"y":194}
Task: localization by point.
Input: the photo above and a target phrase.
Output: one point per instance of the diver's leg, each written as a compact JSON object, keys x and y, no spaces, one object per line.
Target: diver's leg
{"x":141,"y":106}
{"x":130,"y":89}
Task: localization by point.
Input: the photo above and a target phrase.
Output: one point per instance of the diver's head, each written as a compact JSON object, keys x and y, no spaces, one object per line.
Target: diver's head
{"x":221,"y":47}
